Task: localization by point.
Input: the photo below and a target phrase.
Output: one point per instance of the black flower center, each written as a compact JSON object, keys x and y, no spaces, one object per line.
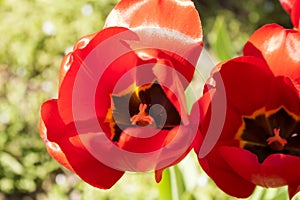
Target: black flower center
{"x":147,"y":105}
{"x":266,"y":134}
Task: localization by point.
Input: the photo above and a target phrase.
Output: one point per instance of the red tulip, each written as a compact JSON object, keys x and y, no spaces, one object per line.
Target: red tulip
{"x":259,"y":143}
{"x":121,"y":104}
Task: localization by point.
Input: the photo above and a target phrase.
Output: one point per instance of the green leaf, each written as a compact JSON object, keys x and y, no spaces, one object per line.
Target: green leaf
{"x":176,"y":172}
{"x":220,"y":41}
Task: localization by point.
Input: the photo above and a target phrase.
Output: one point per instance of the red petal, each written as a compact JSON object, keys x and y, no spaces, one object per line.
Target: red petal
{"x":90,"y":61}
{"x":244,"y":163}
{"x":68,"y":59}
{"x":275,"y":164}
{"x":292,"y":7}
{"x":295,"y":14}
{"x":279,"y":47}
{"x":117,"y":78}
{"x":283,"y":93}
{"x":287,"y":5}
{"x":228,"y":124}
{"x":141,"y":142}
{"x":205,"y":105}
{"x":225,"y":177}
{"x":82,"y":162}
{"x":161,"y":148}
{"x":267,"y":174}
{"x":218,"y":122}
{"x":158,"y":175}
{"x":87,"y":166}
{"x":183,"y":64}
{"x":293,"y":190}
{"x":204,"y":119}
{"x":53,"y":148}
{"x":246,"y":80}
{"x":173,"y":85}
{"x":156,"y":13}
{"x":51,"y":121}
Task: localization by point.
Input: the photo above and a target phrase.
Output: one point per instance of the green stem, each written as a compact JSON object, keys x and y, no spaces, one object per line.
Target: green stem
{"x":172,"y":186}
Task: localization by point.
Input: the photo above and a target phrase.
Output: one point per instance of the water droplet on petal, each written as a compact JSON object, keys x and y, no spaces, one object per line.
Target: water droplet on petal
{"x":294,"y":135}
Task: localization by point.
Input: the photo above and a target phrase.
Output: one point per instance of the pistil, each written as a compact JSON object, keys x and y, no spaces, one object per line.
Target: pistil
{"x":142,"y":118}
{"x":276,"y":142}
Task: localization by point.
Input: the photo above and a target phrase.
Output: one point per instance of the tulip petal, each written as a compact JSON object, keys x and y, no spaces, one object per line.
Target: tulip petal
{"x":50,"y":114}
{"x":53,"y":148}
{"x":88,"y":167}
{"x":292,"y":7}
{"x":244,"y":163}
{"x":276,"y":170}
{"x":225,"y":177}
{"x":114,"y":82}
{"x":274,"y":166}
{"x":295,"y":14}
{"x":232,"y":119}
{"x":141,"y":143}
{"x":283,"y":93}
{"x":293,"y":190}
{"x":173,"y":87}
{"x":68,"y":59}
{"x":83,"y":163}
{"x":246,"y":80}
{"x":158,"y":175}
{"x":287,"y":5}
{"x":86,"y":65}
{"x":279,"y":47}
{"x":164,"y":149}
{"x":156,"y":13}
{"x":172,"y":58}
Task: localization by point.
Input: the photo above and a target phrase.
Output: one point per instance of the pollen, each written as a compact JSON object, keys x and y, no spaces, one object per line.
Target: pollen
{"x":276,"y":142}
{"x":142,"y":118}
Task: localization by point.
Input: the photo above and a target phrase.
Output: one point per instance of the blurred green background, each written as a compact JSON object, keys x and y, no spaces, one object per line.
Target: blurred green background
{"x":35,"y":34}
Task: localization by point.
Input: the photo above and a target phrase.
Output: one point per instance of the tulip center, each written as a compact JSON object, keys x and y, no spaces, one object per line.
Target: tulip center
{"x":266,"y":134}
{"x":143,"y":106}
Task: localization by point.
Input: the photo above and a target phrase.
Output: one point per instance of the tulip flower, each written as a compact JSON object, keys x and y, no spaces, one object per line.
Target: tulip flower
{"x":121,"y":103}
{"x":259,"y":142}
{"x":260,"y":139}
